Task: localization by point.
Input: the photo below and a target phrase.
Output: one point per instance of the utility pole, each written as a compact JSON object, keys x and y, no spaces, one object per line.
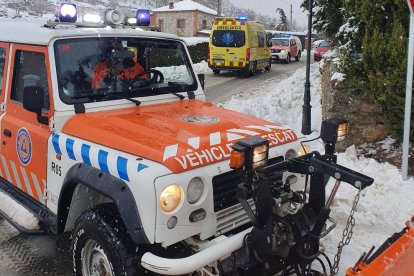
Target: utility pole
{"x":291,"y":21}
{"x":306,"y":107}
{"x":218,"y":7}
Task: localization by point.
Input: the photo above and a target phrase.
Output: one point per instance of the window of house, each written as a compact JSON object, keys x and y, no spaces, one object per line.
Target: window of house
{"x":161,"y":24}
{"x":204,"y":24}
{"x":180,"y":23}
{"x":29,"y":70}
{"x":2,"y":69}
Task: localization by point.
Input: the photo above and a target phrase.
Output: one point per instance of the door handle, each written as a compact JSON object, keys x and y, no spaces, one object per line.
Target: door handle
{"x":7,"y":132}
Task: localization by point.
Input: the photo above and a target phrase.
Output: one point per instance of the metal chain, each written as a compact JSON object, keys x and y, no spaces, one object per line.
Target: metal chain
{"x":346,"y":234}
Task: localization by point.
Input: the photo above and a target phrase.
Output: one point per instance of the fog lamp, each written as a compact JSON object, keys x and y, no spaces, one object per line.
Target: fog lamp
{"x":250,"y":154}
{"x":334,"y":130}
{"x":67,"y":12}
{"x":143,"y":17}
{"x":171,"y":197}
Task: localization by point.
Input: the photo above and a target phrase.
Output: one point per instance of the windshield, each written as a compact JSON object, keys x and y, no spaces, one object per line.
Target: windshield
{"x":279,"y":42}
{"x":228,"y":38}
{"x":99,"y":69}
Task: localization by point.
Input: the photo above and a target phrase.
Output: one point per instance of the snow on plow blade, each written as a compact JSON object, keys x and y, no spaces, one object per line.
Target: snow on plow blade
{"x":394,"y":257}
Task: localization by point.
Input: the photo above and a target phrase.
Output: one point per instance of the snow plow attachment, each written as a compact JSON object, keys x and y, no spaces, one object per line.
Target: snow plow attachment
{"x":393,"y":257}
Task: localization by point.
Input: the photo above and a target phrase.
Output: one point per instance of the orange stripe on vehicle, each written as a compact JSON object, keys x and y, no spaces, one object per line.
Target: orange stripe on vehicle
{"x":231,"y":63}
{"x":240,"y":64}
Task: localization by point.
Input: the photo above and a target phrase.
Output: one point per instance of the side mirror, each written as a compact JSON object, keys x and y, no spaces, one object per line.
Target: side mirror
{"x":269,"y":44}
{"x":201,"y":78}
{"x":33,"y":101}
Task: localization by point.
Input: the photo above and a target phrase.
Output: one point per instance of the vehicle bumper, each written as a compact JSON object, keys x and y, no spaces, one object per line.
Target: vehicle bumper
{"x":279,"y":56}
{"x":229,"y":68}
{"x":221,"y":247}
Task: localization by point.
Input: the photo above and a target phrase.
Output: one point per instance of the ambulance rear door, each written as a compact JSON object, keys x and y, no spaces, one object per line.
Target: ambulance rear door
{"x":229,"y":44}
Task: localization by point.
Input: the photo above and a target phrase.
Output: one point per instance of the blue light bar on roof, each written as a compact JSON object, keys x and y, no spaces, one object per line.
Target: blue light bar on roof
{"x":242,"y":18}
{"x":67,"y":13}
{"x":143,"y":17}
{"x":286,"y":35}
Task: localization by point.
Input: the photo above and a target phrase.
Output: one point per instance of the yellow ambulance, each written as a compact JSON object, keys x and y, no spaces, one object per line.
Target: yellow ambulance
{"x":237,"y":44}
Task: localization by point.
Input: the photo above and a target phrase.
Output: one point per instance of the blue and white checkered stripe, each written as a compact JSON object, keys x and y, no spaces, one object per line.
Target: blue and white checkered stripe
{"x":107,"y":162}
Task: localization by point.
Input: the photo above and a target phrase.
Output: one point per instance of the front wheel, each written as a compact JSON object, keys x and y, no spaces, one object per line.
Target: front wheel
{"x":269,"y":66}
{"x":100,"y":246}
{"x":288,"y":59}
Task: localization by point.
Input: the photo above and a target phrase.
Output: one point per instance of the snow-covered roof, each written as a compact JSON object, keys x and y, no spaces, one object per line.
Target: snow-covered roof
{"x":36,"y":34}
{"x":186,"y":5}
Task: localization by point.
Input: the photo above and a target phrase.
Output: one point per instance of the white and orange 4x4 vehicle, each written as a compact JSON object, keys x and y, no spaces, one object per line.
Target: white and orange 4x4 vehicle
{"x":285,"y":48}
{"x":133,"y":161}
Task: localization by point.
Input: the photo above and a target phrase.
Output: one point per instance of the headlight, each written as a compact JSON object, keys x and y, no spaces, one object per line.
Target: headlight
{"x":171,"y":198}
{"x":304,"y":149}
{"x":195,"y":190}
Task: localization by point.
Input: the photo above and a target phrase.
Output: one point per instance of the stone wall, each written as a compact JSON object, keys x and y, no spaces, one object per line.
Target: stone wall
{"x":193,"y":22}
{"x":340,"y":100}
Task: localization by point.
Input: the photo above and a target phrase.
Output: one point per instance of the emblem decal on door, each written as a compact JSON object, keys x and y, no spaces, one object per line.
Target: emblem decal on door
{"x":24,"y":146}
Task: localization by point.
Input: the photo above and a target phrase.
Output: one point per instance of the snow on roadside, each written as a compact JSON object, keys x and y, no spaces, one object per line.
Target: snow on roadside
{"x":17,"y":212}
{"x":383,"y":208}
{"x":282,"y":103}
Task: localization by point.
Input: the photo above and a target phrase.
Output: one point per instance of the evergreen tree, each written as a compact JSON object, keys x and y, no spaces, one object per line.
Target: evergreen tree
{"x":375,"y":52}
{"x":283,"y":25}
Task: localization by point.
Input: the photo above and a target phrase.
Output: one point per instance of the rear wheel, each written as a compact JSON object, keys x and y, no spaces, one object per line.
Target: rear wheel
{"x":100,"y":244}
{"x":269,"y":66}
{"x":297,"y":58}
{"x":216,"y":71}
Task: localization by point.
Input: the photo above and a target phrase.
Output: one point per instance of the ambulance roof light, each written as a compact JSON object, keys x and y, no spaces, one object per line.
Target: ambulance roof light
{"x":67,"y":12}
{"x":90,"y":18}
{"x":242,"y":18}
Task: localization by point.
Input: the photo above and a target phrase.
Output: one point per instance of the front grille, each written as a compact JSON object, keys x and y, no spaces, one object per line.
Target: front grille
{"x":276,"y":51}
{"x":225,"y":187}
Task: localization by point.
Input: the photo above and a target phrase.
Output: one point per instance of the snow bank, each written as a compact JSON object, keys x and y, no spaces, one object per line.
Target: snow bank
{"x":383,"y":207}
{"x":17,"y":212}
{"x":282,"y":103}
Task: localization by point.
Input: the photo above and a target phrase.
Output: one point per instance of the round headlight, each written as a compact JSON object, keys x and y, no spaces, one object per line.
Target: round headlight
{"x":171,"y":198}
{"x":195,"y":190}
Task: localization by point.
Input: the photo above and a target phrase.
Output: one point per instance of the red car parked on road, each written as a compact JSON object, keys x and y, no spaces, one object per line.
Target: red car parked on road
{"x":320,"y":49}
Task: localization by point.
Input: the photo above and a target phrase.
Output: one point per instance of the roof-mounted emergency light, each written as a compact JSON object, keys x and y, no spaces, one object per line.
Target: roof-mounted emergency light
{"x":143,"y":17}
{"x":242,"y":18}
{"x":92,"y":19}
{"x":67,"y":12}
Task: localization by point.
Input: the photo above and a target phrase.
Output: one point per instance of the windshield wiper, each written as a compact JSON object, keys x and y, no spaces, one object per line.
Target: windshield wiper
{"x":108,"y":96}
{"x":183,"y":87}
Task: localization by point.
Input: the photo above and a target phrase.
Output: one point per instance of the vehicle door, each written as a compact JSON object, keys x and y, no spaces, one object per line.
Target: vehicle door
{"x":293,"y":48}
{"x":24,"y":139}
{"x":4,"y":62}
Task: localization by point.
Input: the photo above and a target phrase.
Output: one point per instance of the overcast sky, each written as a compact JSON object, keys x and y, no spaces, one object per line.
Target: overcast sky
{"x":268,"y":7}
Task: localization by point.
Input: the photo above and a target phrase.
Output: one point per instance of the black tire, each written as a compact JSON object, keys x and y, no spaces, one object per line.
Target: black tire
{"x":288,"y":59}
{"x":100,"y":232}
{"x":269,"y":66}
{"x":254,"y":69}
{"x":216,"y":71}
{"x":297,"y":58}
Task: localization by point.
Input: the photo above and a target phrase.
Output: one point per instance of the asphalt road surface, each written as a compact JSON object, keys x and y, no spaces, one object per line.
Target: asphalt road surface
{"x":222,"y":87}
{"x":22,"y":255}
